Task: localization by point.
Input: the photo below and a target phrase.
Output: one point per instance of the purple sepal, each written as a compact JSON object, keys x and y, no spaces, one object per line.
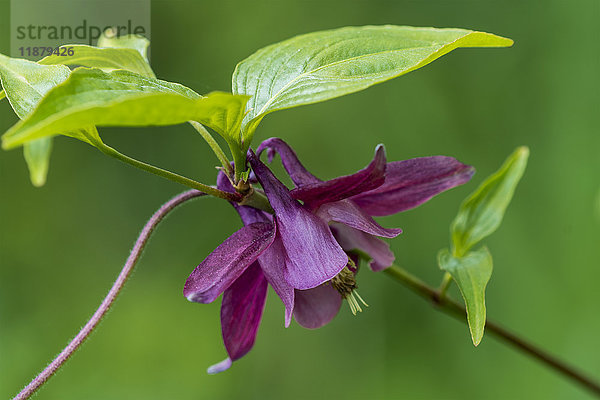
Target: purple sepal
{"x":368,"y":178}
{"x":412,"y":182}
{"x":274,"y":263}
{"x":314,"y":255}
{"x":241,"y":311}
{"x":227,"y":262}
{"x":348,"y":213}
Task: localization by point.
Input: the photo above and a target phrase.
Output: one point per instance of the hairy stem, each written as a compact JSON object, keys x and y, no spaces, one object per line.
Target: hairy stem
{"x":451,"y":307}
{"x":214,"y":146}
{"x":93,"y":322}
{"x":109,"y":151}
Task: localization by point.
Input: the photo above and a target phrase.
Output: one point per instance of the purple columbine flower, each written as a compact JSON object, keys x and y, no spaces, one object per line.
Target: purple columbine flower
{"x":348,"y":204}
{"x":293,"y":249}
{"x":298,"y":252}
{"x":380,"y":189}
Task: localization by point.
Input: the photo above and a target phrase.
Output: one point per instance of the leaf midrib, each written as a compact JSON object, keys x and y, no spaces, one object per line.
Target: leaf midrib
{"x":304,"y":74}
{"x":23,"y":79}
{"x":96,"y":104}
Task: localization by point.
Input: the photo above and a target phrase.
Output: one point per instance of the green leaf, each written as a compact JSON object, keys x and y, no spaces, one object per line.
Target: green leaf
{"x":104,"y":58}
{"x":323,"y":65}
{"x":2,"y":95}
{"x":135,"y":42}
{"x":37,"y":156}
{"x":122,"y":98}
{"x":25,"y":83}
{"x":482,"y":212}
{"x":471,"y":272}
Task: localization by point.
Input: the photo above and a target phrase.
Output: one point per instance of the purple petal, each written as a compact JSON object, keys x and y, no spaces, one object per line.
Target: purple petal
{"x":316,"y":307}
{"x":293,"y":166}
{"x":313,"y":253}
{"x":368,"y":178}
{"x":412,"y":182}
{"x":274,"y":264}
{"x":241,"y":311}
{"x":273,"y":260}
{"x":220,"y":367}
{"x":378,"y":250}
{"x":348,"y":213}
{"x":227,"y":262}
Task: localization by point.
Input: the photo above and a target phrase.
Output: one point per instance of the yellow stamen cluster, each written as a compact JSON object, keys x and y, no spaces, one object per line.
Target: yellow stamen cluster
{"x":345,"y":284}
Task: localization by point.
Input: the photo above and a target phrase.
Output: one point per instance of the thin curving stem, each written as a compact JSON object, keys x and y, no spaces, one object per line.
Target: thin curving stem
{"x":93,"y":322}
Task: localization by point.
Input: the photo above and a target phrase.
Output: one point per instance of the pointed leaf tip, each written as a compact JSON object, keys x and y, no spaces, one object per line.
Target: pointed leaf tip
{"x":471,"y":273}
{"x":323,"y":65}
{"x":37,"y":156}
{"x":482,"y":212}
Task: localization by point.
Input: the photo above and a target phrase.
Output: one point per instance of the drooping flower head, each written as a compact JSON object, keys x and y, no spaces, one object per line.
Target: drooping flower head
{"x":301,"y":249}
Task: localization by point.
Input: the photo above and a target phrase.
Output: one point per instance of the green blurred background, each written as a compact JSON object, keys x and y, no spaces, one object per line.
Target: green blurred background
{"x":61,"y":246}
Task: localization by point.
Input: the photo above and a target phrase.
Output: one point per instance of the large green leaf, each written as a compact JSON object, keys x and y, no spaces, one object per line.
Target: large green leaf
{"x":104,"y":58}
{"x":25,"y":83}
{"x":123,"y":98}
{"x":482,"y":212}
{"x":471,"y":272}
{"x":323,"y":65}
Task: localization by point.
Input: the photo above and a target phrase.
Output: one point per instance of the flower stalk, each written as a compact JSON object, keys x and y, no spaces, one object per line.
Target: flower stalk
{"x":108,"y":301}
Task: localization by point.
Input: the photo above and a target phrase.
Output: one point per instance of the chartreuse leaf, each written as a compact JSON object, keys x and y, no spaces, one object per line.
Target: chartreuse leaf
{"x":471,"y":272}
{"x":2,"y":95}
{"x":25,"y":83}
{"x":481,"y":213}
{"x":125,"y":52}
{"x":36,"y":155}
{"x":122,"y":98}
{"x":104,"y":58}
{"x":323,"y":65}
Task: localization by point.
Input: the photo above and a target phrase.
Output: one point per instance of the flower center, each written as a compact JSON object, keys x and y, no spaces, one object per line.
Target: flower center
{"x":345,"y":284}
